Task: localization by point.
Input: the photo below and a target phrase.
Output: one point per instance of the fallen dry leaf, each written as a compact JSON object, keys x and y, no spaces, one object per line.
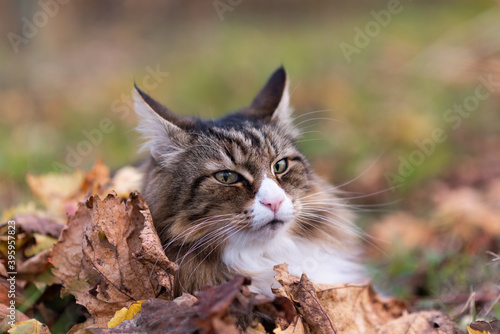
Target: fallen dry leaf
{"x":4,"y":317}
{"x":54,"y":190}
{"x":61,"y":193}
{"x":492,"y":327}
{"x":473,"y":331}
{"x":34,"y":266}
{"x":20,"y":209}
{"x":281,"y":309}
{"x":126,"y":180}
{"x":41,"y":224}
{"x":314,"y":313}
{"x":42,"y":243}
{"x":347,"y":308}
{"x":296,"y":327}
{"x":31,"y":326}
{"x":218,"y":305}
{"x":106,"y":257}
{"x":125,"y":313}
{"x":32,"y":248}
{"x":216,"y":310}
{"x":358,"y":308}
{"x":67,"y":252}
{"x":96,"y":181}
{"x":156,"y":315}
{"x":425,"y":322}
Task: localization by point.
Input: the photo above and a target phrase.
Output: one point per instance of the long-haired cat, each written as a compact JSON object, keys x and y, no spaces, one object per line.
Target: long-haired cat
{"x":235,"y":196}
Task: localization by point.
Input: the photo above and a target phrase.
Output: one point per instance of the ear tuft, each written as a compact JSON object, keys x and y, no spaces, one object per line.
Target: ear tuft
{"x":273,"y":100}
{"x":163,"y":131}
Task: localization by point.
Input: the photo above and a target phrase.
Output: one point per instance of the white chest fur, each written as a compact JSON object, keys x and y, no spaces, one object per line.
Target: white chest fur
{"x":320,"y":263}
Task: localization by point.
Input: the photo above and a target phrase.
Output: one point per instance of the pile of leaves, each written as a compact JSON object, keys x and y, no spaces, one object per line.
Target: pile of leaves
{"x":93,"y":252}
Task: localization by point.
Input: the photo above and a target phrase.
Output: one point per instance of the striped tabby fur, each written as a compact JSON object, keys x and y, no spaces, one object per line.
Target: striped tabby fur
{"x":269,"y":215}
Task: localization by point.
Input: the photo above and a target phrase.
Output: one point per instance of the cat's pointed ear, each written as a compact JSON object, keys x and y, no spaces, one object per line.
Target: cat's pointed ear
{"x":273,"y":101}
{"x":163,"y":131}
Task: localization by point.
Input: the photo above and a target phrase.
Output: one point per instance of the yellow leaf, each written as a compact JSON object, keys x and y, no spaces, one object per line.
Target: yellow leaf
{"x":18,"y":209}
{"x":53,"y":190}
{"x":32,"y":326}
{"x":43,"y":242}
{"x":473,"y":331}
{"x":126,"y":180}
{"x":125,"y":314}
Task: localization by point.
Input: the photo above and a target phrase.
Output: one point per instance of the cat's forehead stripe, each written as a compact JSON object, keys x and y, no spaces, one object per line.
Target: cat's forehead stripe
{"x":247,"y":149}
{"x":255,"y":137}
{"x":243,"y":140}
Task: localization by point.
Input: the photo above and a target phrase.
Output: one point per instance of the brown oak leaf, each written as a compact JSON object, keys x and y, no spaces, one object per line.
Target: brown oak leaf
{"x":109,"y":256}
{"x":341,"y":308}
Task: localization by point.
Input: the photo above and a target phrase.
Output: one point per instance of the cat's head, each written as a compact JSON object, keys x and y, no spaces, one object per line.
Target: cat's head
{"x":238,"y":177}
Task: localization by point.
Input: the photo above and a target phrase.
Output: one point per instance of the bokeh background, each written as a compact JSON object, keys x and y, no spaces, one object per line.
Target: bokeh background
{"x":372,"y":82}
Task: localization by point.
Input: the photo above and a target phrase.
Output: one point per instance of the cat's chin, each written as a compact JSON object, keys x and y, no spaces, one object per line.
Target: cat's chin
{"x":268,"y":230}
{"x":273,"y":225}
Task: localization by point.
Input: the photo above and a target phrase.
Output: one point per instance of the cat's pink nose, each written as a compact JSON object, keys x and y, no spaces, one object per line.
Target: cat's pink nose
{"x":273,"y":203}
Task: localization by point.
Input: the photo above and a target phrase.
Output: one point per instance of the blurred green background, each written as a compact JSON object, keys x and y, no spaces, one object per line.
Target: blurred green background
{"x":376,"y":77}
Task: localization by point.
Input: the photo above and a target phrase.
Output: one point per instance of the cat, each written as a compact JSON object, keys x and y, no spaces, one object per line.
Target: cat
{"x":234,"y":196}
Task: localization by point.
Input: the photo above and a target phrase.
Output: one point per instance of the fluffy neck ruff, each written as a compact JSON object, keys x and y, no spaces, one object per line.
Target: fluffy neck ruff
{"x":321,"y":262}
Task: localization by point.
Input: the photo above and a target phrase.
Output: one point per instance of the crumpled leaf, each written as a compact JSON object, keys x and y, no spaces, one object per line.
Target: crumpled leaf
{"x":358,"y":308}
{"x":67,"y":252}
{"x":32,"y":249}
{"x":352,"y":308}
{"x":109,"y":256}
{"x":473,"y":331}
{"x":5,"y":312}
{"x":126,"y":180}
{"x":280,"y":309}
{"x":215,"y":311}
{"x":39,"y":223}
{"x":54,"y":190}
{"x":218,"y":305}
{"x":311,"y":308}
{"x":125,"y":313}
{"x":96,"y":181}
{"x":31,"y":326}
{"x":43,"y":243}
{"x":35,"y":265}
{"x":61,"y":193}
{"x":20,"y":209}
{"x":158,"y":314}
{"x":296,"y":327}
{"x":420,"y":322}
{"x":492,"y":327}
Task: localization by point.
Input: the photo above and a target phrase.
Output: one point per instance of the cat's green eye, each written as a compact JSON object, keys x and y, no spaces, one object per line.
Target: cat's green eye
{"x":281,"y":166}
{"x":227,"y":177}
